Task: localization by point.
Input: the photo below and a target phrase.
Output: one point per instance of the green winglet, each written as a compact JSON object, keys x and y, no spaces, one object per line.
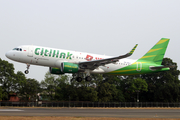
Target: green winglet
{"x":132,"y":51}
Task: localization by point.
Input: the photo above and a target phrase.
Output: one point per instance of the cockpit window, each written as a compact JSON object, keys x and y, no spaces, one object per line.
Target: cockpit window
{"x":17,"y":49}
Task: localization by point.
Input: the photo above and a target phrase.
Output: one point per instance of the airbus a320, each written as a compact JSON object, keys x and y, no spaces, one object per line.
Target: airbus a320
{"x":62,"y":61}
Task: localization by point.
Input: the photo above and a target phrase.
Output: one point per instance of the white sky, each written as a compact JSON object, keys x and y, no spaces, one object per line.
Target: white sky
{"x":110,"y":27}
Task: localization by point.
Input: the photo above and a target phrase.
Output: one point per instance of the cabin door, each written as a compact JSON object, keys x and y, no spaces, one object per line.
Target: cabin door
{"x":30,"y":51}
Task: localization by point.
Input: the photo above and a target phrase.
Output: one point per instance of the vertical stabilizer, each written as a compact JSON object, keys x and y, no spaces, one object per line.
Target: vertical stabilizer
{"x":156,"y":53}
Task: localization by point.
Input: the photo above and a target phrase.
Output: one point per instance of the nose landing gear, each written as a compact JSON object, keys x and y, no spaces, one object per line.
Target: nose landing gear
{"x":27,"y":71}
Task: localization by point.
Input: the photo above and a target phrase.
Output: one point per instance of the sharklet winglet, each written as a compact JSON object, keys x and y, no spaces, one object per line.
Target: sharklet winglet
{"x":132,"y":51}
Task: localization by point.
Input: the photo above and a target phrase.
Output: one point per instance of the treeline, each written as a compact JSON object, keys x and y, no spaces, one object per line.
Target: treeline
{"x":157,"y":87}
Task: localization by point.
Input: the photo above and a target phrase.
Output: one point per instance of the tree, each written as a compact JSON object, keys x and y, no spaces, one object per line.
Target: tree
{"x":21,"y":87}
{"x":26,"y":88}
{"x":62,"y":88}
{"x":32,"y":88}
{"x":55,"y":86}
{"x":6,"y":78}
{"x":1,"y":94}
{"x":138,"y":85}
{"x":106,"y":92}
{"x":49,"y":84}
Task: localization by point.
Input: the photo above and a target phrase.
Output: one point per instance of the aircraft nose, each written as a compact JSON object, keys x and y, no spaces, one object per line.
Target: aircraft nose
{"x":8,"y":54}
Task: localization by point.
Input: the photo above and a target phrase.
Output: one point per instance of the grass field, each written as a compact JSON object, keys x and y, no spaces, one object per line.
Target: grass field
{"x":78,"y":118}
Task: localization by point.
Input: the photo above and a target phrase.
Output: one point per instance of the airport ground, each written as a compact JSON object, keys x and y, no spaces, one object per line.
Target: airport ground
{"x":79,"y":118}
{"x":21,"y":113}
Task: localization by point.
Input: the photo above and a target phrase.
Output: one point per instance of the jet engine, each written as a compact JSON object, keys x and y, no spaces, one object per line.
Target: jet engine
{"x":65,"y":67}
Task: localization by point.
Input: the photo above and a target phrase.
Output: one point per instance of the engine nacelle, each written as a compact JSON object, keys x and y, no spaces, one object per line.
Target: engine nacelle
{"x":53,"y":70}
{"x":67,"y":67}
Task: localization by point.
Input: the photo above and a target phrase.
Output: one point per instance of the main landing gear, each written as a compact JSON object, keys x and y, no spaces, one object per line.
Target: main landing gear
{"x":27,"y":71}
{"x":87,"y":78}
{"x":79,"y":79}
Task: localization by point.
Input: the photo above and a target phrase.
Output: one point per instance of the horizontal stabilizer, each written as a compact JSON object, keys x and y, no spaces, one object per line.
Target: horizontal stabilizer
{"x":160,"y":67}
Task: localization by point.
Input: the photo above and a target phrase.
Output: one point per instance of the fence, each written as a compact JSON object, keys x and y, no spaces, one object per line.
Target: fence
{"x":89,"y":104}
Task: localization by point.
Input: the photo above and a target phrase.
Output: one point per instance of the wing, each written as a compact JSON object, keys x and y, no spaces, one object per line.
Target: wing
{"x":96,"y":63}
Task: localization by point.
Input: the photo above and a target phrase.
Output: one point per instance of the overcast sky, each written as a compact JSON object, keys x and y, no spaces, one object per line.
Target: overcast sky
{"x":110,"y":27}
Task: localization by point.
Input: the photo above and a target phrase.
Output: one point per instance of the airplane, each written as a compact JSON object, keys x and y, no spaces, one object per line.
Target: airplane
{"x":62,"y":61}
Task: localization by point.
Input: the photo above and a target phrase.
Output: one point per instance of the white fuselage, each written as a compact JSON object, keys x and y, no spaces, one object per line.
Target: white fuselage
{"x":51,"y":57}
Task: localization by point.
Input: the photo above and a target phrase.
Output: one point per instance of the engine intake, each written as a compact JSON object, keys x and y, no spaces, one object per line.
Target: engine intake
{"x":53,"y":70}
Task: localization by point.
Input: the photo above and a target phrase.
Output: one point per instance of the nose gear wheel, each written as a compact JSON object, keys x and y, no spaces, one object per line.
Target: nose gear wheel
{"x":27,"y":71}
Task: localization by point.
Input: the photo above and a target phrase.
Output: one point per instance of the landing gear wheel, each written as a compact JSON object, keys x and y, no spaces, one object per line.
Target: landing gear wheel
{"x":88,"y":78}
{"x":26,"y":71}
{"x":78,"y":79}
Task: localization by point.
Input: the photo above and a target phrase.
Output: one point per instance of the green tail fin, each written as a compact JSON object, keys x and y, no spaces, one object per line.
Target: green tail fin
{"x":156,"y":53}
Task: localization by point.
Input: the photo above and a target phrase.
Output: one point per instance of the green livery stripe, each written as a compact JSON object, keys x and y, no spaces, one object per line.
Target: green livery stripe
{"x":153,"y":50}
{"x":141,"y":62}
{"x":163,"y":40}
{"x":118,"y":71}
{"x":131,"y":69}
{"x":125,"y":74}
{"x":148,"y":56}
